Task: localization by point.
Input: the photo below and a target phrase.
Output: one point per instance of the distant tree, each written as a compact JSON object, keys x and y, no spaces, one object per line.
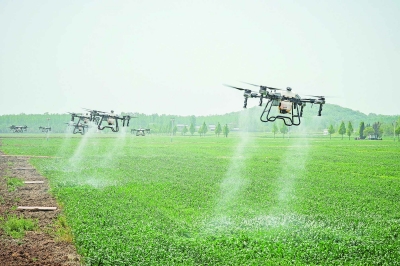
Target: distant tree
{"x":361,"y":130}
{"x":368,"y":131}
{"x":193,"y":120}
{"x":185,"y":130}
{"x":377,"y":129}
{"x":218,"y":129}
{"x":350,"y":129}
{"x":275,"y":129}
{"x":225,"y":130}
{"x":331,"y":130}
{"x":342,"y":129}
{"x":192,"y":129}
{"x":174,"y":130}
{"x":397,"y":130}
{"x":203,"y":129}
{"x":284,"y":129}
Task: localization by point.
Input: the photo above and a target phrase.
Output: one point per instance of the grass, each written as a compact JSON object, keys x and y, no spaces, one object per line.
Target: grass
{"x":13,"y":183}
{"x":62,"y":230}
{"x":224,"y":201}
{"x":17,"y":226}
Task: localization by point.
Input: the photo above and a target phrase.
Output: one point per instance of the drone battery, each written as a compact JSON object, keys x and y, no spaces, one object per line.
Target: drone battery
{"x":275,"y":103}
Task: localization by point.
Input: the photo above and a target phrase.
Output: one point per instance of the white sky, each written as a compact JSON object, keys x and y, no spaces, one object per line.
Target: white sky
{"x":172,"y":57}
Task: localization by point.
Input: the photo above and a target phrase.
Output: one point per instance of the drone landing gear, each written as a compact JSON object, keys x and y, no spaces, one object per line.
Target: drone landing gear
{"x":293,"y":120}
{"x":80,"y":129}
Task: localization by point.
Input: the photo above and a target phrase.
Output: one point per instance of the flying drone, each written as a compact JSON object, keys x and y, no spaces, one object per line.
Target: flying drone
{"x":95,"y":115}
{"x":82,"y":125}
{"x":18,"y":129}
{"x":140,"y":131}
{"x":289,"y":104}
{"x":110,"y":120}
{"x":45,"y":129}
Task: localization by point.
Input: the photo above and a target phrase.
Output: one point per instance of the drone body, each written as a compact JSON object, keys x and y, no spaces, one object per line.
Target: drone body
{"x":110,"y":120}
{"x":141,"y":131}
{"x":18,"y":129}
{"x":82,"y":125}
{"x":289,"y":104}
{"x":45,"y":129}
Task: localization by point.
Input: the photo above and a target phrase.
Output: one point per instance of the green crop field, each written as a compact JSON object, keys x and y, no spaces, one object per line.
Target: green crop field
{"x":242,"y":200}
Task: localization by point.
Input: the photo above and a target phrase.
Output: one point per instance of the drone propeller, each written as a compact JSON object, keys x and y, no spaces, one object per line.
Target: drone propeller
{"x":271,"y":88}
{"x":241,"y":89}
{"x":317,"y":96}
{"x":94,"y":111}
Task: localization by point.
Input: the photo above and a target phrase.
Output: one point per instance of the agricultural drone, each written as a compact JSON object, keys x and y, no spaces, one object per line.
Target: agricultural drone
{"x":45,"y":129}
{"x":140,"y":131}
{"x":82,"y":125}
{"x":290,"y":105}
{"x":111,"y":121}
{"x":18,"y":129}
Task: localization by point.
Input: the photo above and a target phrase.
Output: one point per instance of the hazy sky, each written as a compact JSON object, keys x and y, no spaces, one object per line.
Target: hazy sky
{"x":172,"y":57}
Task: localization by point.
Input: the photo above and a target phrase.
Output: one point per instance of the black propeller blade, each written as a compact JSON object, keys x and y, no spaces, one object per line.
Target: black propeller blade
{"x":241,"y":89}
{"x":271,"y":88}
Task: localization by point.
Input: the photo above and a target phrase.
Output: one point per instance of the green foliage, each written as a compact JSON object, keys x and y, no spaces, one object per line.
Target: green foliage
{"x":16,"y":226}
{"x":13,"y":183}
{"x":283,"y":129}
{"x":225,"y":130}
{"x":377,"y":129}
{"x":368,"y":131}
{"x":361,"y":130}
{"x":174,"y":130}
{"x":275,"y":129}
{"x":350,"y":129}
{"x":203,"y":129}
{"x":331,"y":130}
{"x":342,"y":129}
{"x":243,"y":200}
{"x":185,"y":130}
{"x":218,"y":129}
{"x":192,"y":129}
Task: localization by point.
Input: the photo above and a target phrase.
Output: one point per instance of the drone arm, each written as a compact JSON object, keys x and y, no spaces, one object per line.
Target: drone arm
{"x":320,"y":110}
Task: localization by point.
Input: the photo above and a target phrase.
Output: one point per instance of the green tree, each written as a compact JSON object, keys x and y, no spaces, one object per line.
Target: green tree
{"x":350,"y":129}
{"x":225,"y":130}
{"x":193,"y":120}
{"x":284,"y":129}
{"x":377,"y":129}
{"x":174,"y":130}
{"x":275,"y":129}
{"x":218,"y":129}
{"x":368,"y":131}
{"x":361,"y":130}
{"x":192,"y":129}
{"x":203,"y":129}
{"x":331,"y":130}
{"x":397,"y":132}
{"x":342,"y":129}
{"x":185,"y":130}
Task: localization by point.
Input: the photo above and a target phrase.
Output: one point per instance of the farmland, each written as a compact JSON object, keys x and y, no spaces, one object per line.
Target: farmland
{"x":242,"y":200}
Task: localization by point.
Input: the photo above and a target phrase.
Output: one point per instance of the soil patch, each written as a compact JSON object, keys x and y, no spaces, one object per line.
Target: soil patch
{"x":39,"y":247}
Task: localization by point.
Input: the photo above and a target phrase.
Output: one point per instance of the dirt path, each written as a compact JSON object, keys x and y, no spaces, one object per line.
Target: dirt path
{"x":39,"y":247}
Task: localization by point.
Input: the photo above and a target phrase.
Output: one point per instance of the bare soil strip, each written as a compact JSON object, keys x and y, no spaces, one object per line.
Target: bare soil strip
{"x":39,"y":247}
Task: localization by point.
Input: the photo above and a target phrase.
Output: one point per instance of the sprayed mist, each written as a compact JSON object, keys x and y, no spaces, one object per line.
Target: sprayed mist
{"x":233,"y":182}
